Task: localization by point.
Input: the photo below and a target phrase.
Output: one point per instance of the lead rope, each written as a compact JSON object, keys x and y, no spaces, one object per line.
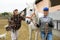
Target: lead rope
{"x":46,"y":31}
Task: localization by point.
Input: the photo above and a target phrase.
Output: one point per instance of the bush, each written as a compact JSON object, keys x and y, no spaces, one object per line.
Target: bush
{"x":5,"y":14}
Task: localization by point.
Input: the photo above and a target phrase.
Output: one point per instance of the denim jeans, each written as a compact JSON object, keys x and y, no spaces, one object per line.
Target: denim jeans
{"x":49,"y":36}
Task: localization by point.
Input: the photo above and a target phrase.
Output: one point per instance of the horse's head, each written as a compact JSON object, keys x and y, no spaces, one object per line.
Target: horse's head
{"x":29,"y":11}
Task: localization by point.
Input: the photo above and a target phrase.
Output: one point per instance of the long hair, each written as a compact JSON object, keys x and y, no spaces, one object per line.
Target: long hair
{"x":24,"y":12}
{"x":37,"y":1}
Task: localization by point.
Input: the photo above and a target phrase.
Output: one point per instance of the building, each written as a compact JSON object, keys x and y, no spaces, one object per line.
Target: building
{"x":54,"y":5}
{"x":56,"y":17}
{"x":54,"y":9}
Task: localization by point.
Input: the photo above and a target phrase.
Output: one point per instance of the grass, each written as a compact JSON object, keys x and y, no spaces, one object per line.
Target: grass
{"x":22,"y":32}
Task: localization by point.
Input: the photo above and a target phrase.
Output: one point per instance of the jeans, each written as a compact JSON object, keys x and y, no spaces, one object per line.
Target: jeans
{"x":49,"y":36}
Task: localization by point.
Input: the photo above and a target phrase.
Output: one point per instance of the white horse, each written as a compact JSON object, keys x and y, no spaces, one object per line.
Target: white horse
{"x":32,"y":27}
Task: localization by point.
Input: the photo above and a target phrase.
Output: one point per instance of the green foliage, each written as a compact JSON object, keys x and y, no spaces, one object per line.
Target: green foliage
{"x":5,"y":14}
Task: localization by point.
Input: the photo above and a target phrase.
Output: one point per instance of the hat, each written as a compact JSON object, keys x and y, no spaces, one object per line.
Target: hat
{"x":45,"y":9}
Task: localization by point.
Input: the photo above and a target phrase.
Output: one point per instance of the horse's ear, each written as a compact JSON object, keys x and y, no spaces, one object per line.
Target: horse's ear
{"x":27,"y":4}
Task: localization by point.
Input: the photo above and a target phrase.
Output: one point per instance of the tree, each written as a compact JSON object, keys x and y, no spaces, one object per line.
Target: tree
{"x":5,"y":13}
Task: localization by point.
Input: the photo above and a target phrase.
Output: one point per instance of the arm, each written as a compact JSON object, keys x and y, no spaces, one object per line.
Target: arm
{"x":39,"y":24}
{"x":22,"y":15}
{"x":51,"y":24}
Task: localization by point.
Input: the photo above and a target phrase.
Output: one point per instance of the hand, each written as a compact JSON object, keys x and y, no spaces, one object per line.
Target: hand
{"x":46,"y":23}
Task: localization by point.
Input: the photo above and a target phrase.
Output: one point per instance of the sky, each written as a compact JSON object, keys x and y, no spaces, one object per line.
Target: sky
{"x":10,"y":5}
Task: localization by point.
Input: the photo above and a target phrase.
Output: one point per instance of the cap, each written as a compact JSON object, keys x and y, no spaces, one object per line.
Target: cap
{"x":45,"y":9}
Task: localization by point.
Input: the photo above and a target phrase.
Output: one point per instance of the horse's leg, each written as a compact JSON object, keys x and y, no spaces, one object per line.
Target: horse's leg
{"x":36,"y":35}
{"x":30,"y":32}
